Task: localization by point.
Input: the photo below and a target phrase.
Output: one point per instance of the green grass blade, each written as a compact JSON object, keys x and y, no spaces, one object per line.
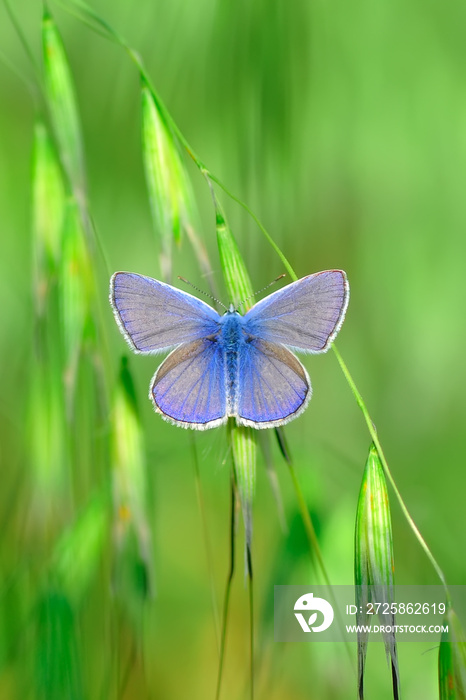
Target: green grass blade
{"x":62,"y":106}
{"x":373,"y":562}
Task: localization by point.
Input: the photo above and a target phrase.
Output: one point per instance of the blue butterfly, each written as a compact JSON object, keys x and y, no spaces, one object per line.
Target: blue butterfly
{"x":230,"y":365}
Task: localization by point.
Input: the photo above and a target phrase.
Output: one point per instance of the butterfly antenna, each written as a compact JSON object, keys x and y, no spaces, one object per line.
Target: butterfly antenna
{"x":262,"y":290}
{"x":201,"y":291}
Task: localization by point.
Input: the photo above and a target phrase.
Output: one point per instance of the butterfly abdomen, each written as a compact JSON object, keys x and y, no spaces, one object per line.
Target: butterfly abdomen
{"x":233,"y":339}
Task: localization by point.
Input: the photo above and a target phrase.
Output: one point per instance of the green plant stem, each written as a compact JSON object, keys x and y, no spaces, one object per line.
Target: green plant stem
{"x":226,"y":601}
{"x":375,"y":438}
{"x":242,"y":204}
{"x":251,"y":619}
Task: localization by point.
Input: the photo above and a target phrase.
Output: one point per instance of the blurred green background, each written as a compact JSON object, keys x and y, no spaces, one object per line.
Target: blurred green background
{"x":343,"y":126}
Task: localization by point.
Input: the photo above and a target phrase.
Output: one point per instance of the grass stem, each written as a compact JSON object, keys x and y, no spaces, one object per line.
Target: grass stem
{"x":251,"y":618}
{"x":226,"y":601}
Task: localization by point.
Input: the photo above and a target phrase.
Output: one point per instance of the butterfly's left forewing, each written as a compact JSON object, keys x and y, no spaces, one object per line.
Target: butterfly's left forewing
{"x":154,"y":316}
{"x":273,"y":386}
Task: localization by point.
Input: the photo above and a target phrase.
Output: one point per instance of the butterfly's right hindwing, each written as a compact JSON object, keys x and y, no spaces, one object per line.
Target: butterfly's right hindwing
{"x":273,"y":386}
{"x":154,"y":316}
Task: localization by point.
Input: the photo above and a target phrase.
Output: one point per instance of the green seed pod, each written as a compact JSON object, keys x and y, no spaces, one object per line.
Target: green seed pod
{"x":373,"y":563}
{"x":167,"y":182}
{"x":452,"y":659}
{"x":62,"y":106}
{"x":48,"y":211}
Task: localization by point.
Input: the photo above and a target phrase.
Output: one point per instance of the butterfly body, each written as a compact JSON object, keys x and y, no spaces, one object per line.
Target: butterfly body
{"x":232,"y":338}
{"x":231,"y":365}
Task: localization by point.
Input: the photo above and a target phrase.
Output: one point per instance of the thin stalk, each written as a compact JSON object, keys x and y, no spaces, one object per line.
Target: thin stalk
{"x":205,"y":532}
{"x":251,"y":619}
{"x":262,"y":228}
{"x":227,"y":589}
{"x":374,"y":436}
{"x":307,"y":522}
{"x":395,"y":683}
{"x":86,"y":14}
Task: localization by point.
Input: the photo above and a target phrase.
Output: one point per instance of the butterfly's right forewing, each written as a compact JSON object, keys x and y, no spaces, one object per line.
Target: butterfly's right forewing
{"x":154,"y":316}
{"x":305,"y":315}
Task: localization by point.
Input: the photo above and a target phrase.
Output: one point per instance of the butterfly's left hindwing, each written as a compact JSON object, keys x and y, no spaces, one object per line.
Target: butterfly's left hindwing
{"x":189,"y":386}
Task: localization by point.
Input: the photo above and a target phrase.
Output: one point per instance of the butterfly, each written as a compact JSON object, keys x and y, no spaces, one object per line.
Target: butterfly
{"x":231,"y":365}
